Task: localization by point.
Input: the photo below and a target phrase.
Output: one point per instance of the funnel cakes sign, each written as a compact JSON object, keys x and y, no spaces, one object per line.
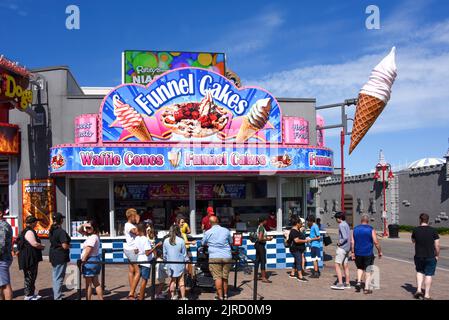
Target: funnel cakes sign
{"x":190,"y":104}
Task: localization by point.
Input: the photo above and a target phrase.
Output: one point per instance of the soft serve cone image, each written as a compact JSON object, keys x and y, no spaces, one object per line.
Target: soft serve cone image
{"x":131,"y":120}
{"x":373,"y":98}
{"x":255,"y":120}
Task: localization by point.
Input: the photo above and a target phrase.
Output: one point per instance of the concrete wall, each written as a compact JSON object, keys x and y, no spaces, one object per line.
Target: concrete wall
{"x":420,"y":190}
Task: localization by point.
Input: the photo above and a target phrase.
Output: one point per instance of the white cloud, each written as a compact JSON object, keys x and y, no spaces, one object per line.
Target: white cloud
{"x":420,"y":96}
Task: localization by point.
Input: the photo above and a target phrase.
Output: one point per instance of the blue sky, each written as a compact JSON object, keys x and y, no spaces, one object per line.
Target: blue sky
{"x":318,"y":49}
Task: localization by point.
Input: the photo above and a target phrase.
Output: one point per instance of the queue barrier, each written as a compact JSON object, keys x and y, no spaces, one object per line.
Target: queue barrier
{"x":153,"y":263}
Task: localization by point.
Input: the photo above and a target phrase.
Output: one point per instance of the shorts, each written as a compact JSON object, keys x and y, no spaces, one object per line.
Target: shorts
{"x":363,"y":262}
{"x":91,"y":270}
{"x":426,"y":266}
{"x":131,"y":255}
{"x":145,"y":272}
{"x":315,"y":253}
{"x":5,"y":277}
{"x":341,"y":256}
{"x":220,"y":271}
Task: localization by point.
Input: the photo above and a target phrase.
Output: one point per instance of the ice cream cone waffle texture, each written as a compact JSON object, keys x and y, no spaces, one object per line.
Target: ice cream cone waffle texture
{"x":373,"y":98}
{"x":255,"y":120}
{"x":140,"y":132}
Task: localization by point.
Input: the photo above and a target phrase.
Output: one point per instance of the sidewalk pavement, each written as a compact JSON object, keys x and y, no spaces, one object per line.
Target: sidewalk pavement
{"x":397,"y":282}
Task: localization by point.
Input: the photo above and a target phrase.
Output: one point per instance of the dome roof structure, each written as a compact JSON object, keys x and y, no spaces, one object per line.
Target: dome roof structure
{"x":425,"y":162}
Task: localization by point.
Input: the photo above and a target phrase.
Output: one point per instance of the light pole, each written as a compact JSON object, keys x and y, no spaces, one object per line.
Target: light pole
{"x":344,"y":131}
{"x":384,"y":168}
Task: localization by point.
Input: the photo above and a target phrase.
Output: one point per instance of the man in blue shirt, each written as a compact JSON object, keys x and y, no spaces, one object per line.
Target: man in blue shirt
{"x":218,"y":240}
{"x":315,"y":245}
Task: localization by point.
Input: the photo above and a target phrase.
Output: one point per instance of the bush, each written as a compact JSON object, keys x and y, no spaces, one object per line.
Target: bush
{"x":440,"y":230}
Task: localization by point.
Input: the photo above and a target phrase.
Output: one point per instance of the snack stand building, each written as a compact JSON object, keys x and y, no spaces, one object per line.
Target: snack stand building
{"x":188,"y":140}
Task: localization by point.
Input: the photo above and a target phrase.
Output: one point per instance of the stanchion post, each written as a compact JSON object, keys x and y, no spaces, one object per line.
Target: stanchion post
{"x":256,"y":268}
{"x":103,"y":269}
{"x":153,"y":278}
{"x":78,"y":263}
{"x":235,"y":274}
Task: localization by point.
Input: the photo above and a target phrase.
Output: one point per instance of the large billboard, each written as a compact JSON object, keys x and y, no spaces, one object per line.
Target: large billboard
{"x":187,"y":105}
{"x":38,"y":200}
{"x":143,"y":66}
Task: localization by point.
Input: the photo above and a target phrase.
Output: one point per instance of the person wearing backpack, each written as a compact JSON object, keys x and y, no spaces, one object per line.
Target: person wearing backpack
{"x":296,"y":242}
{"x":59,"y":254}
{"x":261,"y":251}
{"x":30,"y":254}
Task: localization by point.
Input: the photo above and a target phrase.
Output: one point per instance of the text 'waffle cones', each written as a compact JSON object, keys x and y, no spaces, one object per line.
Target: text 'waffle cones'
{"x":141,"y":132}
{"x":368,"y":109}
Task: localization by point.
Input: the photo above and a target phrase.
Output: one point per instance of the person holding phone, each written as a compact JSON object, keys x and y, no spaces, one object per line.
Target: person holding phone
{"x":91,"y":253}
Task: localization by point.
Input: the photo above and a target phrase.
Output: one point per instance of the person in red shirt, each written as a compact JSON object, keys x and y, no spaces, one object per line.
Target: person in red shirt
{"x":205,"y":223}
{"x":271,"y":222}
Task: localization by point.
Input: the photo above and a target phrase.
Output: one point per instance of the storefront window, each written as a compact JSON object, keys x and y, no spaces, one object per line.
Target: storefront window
{"x":89,"y":199}
{"x":292,"y":199}
{"x":4,"y":181}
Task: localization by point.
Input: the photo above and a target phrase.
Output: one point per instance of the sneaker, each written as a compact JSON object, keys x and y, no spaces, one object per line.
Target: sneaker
{"x":36,"y":297}
{"x":358,"y":286}
{"x":185,"y":298}
{"x":302,"y":279}
{"x":216,"y":298}
{"x":175,"y":297}
{"x":338,"y":286}
{"x":27,"y":298}
{"x":315,"y":276}
{"x":225,"y":297}
{"x":348,"y":286}
{"x":418,"y":295}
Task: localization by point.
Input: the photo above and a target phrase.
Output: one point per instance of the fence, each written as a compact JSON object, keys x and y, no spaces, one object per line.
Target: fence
{"x":153,"y":263}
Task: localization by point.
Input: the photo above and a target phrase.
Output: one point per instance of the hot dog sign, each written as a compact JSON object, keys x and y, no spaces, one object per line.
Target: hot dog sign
{"x":190,"y":104}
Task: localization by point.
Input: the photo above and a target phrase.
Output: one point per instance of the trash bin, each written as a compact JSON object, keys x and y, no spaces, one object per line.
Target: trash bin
{"x":393,"y":231}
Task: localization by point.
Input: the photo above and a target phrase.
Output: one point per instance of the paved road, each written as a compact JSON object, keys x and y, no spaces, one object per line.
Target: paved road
{"x":403,"y":250}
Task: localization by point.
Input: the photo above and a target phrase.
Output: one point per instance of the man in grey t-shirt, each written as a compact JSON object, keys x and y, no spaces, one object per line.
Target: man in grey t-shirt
{"x":342,"y":252}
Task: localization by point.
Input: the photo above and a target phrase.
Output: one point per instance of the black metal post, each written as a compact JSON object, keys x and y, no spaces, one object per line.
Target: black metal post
{"x":256,"y":268}
{"x":235,"y":274}
{"x":153,"y":278}
{"x":103,"y":270}
{"x":78,"y":263}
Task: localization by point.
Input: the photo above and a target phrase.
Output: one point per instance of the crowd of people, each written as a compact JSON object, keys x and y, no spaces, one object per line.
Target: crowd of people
{"x":173,"y":255}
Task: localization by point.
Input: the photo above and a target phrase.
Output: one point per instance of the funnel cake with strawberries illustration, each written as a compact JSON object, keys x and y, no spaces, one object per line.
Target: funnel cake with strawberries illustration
{"x":196,"y":119}
{"x":130,"y":120}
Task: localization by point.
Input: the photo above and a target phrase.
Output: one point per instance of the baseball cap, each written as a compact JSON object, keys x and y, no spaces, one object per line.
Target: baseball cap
{"x":58,"y":216}
{"x":31,"y":219}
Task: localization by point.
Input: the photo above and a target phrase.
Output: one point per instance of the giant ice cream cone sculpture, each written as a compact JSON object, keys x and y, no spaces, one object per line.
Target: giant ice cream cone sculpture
{"x":255,"y":120}
{"x":373,"y":98}
{"x":130,"y":120}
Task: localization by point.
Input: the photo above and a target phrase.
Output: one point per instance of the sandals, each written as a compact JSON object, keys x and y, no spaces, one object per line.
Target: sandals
{"x":266,"y":281}
{"x":367,"y":291}
{"x":418,"y":295}
{"x":131,"y":298}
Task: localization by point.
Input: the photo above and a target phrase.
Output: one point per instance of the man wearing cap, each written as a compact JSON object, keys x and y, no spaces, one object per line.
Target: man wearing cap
{"x":30,"y":254}
{"x":59,"y":254}
{"x":205,"y":223}
{"x":342,"y":252}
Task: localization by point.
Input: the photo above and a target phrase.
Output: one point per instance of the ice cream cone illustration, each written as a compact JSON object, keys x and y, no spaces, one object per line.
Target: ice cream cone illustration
{"x":174,"y":157}
{"x":373,"y":98}
{"x":255,"y":120}
{"x":130,"y":120}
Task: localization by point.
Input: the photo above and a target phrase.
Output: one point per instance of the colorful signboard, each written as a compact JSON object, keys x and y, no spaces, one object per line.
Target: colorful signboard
{"x":190,"y":104}
{"x":86,"y":128}
{"x":38,"y":199}
{"x":143,"y":66}
{"x":9,"y":139}
{"x":179,"y":159}
{"x":14,"y":81}
{"x":296,"y":130}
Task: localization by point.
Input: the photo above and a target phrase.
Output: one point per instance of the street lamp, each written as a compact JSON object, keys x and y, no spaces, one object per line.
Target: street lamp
{"x":382,"y":173}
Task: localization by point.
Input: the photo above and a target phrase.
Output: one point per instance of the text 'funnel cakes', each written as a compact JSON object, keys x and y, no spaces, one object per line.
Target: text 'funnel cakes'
{"x":373,"y":97}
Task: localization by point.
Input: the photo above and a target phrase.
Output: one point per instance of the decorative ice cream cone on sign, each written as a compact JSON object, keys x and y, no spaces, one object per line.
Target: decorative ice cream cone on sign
{"x":255,"y":120}
{"x":373,"y":98}
{"x":131,"y":120}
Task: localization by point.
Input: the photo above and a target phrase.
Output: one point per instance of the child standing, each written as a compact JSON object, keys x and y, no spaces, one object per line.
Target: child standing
{"x":145,"y":253}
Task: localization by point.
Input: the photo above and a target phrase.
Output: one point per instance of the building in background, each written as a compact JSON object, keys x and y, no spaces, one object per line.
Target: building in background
{"x":423,"y":186}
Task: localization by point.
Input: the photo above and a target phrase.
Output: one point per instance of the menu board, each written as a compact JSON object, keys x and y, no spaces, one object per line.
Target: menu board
{"x":131,"y":191}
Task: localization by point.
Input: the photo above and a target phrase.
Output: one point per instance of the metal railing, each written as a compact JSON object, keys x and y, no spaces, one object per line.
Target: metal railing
{"x":153,"y":263}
